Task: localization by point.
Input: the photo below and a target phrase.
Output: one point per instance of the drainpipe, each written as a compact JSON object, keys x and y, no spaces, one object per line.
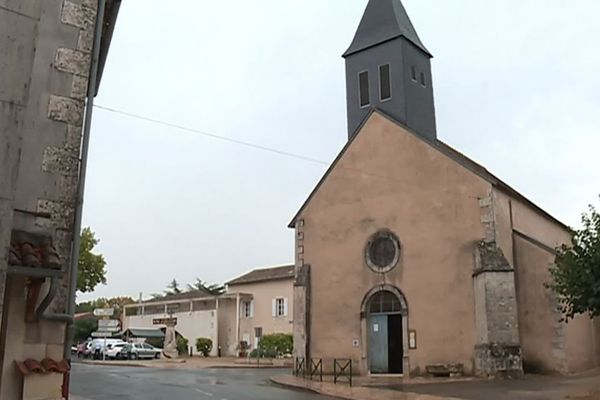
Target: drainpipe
{"x":82,"y":173}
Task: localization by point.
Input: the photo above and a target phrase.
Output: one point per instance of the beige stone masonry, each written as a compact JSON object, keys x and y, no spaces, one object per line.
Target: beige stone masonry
{"x":72,"y":61}
{"x":78,"y":15}
{"x":65,"y":109}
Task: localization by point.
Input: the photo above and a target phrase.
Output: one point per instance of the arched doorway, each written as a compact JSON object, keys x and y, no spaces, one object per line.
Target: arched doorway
{"x":387,"y":318}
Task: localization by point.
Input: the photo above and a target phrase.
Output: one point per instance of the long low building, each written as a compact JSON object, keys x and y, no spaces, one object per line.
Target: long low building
{"x":255,"y":304}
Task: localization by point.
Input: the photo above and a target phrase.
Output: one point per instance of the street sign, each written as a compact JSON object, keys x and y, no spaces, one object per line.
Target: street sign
{"x":104,"y":312}
{"x":105,"y":323}
{"x":101,"y":334}
{"x":109,"y":329}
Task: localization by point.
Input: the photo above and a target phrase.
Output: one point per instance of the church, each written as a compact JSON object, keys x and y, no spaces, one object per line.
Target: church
{"x":412,"y":258}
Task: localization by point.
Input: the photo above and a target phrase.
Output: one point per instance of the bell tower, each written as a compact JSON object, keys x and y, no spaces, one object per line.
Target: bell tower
{"x":389,"y":68}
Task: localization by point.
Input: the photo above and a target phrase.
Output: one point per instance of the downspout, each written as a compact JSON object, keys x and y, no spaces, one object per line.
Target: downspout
{"x":89,"y":108}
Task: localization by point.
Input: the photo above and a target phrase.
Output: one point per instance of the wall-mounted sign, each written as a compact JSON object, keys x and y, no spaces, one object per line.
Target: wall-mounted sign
{"x":412,"y":340}
{"x":164,"y":321}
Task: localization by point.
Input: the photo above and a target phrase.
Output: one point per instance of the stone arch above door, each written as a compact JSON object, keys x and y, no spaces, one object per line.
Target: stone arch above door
{"x":364,"y":307}
{"x":366,"y":320}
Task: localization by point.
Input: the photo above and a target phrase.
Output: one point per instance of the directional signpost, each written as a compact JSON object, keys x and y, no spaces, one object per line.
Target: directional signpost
{"x":106,"y":326}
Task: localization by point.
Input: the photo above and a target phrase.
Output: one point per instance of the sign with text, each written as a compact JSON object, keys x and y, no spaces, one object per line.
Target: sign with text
{"x":109,"y":329}
{"x":164,"y":321}
{"x":104,"y":312}
{"x":101,"y":334}
{"x":108,"y":323}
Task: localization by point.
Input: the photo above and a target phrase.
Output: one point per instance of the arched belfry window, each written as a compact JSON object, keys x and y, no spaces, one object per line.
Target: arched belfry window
{"x":384,"y":302}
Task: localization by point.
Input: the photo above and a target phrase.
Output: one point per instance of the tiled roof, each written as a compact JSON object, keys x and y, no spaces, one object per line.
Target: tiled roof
{"x":265,"y":274}
{"x":31,"y":366}
{"x":33,"y":250}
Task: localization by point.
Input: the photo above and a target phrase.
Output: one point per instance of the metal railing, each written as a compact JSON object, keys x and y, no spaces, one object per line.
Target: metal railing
{"x":300,"y":367}
{"x":316,"y":368}
{"x":342,"y":370}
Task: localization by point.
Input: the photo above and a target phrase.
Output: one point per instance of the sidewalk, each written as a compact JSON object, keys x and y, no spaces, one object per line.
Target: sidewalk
{"x":580,"y":387}
{"x":344,"y":391}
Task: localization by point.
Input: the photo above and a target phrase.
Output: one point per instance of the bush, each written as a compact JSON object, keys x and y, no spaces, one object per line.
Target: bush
{"x":276,"y":345}
{"x":182,"y":345}
{"x":204,"y":346}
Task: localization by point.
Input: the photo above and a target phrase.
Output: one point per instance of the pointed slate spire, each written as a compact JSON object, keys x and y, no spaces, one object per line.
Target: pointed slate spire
{"x":384,"y":20}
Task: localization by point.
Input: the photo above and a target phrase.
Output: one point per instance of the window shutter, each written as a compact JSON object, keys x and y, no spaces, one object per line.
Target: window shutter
{"x":285,"y":307}
{"x":274,"y":307}
{"x":252,"y":308}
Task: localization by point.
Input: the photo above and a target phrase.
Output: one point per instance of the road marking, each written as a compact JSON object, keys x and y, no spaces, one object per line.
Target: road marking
{"x":204,"y":393}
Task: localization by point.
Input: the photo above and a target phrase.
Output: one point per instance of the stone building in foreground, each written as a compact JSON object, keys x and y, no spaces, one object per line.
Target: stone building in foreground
{"x":46,"y":63}
{"x":411,"y":257}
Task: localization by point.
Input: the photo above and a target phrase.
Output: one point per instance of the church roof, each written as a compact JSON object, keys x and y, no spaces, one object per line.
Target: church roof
{"x":445,"y":149}
{"x":382,"y":21}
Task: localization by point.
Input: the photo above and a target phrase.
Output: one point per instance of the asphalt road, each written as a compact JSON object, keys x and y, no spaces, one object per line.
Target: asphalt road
{"x":93,"y":382}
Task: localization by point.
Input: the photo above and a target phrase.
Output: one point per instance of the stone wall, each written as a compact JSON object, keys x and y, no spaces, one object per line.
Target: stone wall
{"x":47,"y":55}
{"x":498,"y":350}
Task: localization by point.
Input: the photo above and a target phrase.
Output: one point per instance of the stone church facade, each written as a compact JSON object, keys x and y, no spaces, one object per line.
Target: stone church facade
{"x":410,"y":256}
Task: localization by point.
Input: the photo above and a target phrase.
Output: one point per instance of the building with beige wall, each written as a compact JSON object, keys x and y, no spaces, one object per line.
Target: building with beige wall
{"x":255,"y":304}
{"x":265,"y":305}
{"x":412,"y":257}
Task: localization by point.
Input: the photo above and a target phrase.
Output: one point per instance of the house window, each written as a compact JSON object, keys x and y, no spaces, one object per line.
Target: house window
{"x":248,"y":309}
{"x":363,"y":86}
{"x":413,"y":73}
{"x":423,"y":81}
{"x":280,"y":307}
{"x":385,"y":84}
{"x":258,"y":332}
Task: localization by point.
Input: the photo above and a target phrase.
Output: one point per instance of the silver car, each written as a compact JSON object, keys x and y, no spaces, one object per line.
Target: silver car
{"x":136,"y":351}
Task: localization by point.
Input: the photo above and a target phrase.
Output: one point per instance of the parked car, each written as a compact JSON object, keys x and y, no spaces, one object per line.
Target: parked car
{"x":136,"y":351}
{"x":113,"y":349}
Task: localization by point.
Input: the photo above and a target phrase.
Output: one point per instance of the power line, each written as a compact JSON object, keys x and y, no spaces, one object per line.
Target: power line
{"x":214,"y":136}
{"x":259,"y":146}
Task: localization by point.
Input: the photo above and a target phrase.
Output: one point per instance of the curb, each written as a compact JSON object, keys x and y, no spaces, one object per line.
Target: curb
{"x":113,"y":364}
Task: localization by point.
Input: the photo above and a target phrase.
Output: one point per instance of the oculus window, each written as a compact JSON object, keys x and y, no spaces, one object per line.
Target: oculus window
{"x":383,"y":251}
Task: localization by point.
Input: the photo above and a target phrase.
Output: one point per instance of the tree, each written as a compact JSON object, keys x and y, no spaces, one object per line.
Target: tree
{"x":117,"y":303}
{"x":173,"y":288}
{"x":576,"y":272}
{"x":213,"y":289}
{"x":92,"y":267}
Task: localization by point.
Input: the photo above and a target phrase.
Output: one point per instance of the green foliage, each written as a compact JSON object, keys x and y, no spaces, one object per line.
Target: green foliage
{"x":214,"y":289}
{"x":115,"y":302}
{"x":275,"y":345}
{"x":204,"y":346}
{"x":576,"y":273}
{"x":92,"y":267}
{"x":182,"y":345}
{"x":83,"y":329}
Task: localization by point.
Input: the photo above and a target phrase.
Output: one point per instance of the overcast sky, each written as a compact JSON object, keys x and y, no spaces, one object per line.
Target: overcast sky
{"x":517,"y":88}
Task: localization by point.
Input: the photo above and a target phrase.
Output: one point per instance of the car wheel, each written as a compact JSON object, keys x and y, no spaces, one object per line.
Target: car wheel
{"x":157,"y":356}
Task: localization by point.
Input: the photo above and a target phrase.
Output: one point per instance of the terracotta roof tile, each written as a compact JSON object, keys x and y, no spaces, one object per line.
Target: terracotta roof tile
{"x":33,"y":250}
{"x":265,"y":274}
{"x":48,"y":365}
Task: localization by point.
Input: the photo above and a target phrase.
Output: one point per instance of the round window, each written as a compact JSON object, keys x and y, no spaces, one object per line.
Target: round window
{"x":383,"y":251}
